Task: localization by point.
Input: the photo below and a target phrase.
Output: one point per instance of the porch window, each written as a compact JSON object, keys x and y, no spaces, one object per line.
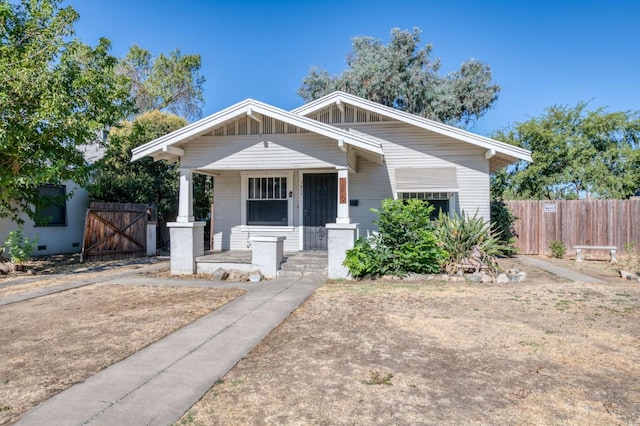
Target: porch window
{"x":267,"y":201}
{"x":439,"y":200}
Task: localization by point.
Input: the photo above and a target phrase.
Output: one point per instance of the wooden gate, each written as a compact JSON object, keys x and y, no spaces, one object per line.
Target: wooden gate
{"x":114,"y":231}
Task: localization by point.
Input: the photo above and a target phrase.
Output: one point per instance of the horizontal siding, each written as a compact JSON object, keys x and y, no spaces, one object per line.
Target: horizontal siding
{"x":226,"y":195}
{"x":408,"y":146}
{"x":229,"y":232}
{"x":283,"y":151}
{"x":369,"y":186}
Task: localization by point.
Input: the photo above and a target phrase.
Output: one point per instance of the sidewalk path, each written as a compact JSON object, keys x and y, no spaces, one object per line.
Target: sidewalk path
{"x":158,"y":384}
{"x":559,"y":270}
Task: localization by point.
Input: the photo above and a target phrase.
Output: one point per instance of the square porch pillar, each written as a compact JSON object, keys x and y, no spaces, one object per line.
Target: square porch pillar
{"x":343,"y":196}
{"x":342,"y":237}
{"x":187,"y":243}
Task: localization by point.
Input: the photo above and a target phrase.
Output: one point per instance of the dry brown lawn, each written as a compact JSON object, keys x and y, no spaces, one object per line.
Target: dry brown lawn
{"x":51,"y":342}
{"x":546,"y":351}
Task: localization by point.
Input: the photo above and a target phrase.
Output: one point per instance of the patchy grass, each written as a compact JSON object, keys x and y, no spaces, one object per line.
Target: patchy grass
{"x":539,"y":352}
{"x":53,"y":342}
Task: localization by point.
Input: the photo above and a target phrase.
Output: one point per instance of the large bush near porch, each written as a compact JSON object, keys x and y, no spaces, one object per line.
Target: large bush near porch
{"x":405,"y":242}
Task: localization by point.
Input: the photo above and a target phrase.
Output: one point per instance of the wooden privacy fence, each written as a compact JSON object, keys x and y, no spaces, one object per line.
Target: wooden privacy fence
{"x":114,"y":231}
{"x":575,"y":222}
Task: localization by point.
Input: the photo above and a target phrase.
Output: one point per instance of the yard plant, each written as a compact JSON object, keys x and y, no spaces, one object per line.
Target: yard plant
{"x":470,"y":242}
{"x":406,"y":242}
{"x":19,"y":246}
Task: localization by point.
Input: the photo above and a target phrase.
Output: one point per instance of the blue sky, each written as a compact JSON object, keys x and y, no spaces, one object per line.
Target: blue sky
{"x":542,"y":53}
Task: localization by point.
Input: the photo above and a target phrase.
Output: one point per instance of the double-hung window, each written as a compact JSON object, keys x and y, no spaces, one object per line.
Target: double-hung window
{"x":267,"y":201}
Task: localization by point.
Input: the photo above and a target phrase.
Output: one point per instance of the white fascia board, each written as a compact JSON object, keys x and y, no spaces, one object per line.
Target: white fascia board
{"x":424,"y":123}
{"x":250,"y":107}
{"x":190,"y":130}
{"x":318,"y":127}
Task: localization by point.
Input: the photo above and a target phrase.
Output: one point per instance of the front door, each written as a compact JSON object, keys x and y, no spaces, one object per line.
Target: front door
{"x":320,"y":204}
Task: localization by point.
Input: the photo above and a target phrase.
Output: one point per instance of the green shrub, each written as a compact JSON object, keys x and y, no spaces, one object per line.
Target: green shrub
{"x":19,"y":246}
{"x":558,"y":249}
{"x":502,"y":223}
{"x":469,"y":242}
{"x":405,"y":242}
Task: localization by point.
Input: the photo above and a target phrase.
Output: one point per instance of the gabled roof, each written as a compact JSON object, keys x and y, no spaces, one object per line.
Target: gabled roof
{"x":168,"y":146}
{"x":507,"y":152}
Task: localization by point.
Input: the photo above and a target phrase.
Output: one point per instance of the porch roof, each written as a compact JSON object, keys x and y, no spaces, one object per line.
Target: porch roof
{"x":171,"y":146}
{"x":498,"y":153}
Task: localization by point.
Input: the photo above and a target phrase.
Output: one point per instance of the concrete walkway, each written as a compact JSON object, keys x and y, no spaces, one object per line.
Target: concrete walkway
{"x":559,"y":270}
{"x":158,"y":384}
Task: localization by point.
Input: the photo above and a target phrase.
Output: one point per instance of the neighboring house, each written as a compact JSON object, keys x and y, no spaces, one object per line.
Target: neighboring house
{"x":289,"y":173}
{"x":65,"y":229}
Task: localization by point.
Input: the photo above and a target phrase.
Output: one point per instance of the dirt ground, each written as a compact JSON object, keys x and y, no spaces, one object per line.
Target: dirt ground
{"x":51,"y":342}
{"x":546,"y":351}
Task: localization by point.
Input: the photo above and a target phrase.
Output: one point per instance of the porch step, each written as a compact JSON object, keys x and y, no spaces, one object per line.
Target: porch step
{"x":304,"y":264}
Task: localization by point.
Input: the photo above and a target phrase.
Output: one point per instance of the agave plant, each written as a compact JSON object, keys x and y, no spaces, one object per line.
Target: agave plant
{"x":470,"y":242}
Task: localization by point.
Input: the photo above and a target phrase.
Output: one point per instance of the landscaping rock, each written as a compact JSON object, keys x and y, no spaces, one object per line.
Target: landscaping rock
{"x":5,"y":268}
{"x":237,"y":275}
{"x":486,"y":278}
{"x":444,"y":277}
{"x":419,"y":277}
{"x":628,"y":275}
{"x":256,"y":276}
{"x":473,"y":278}
{"x":219,"y":274}
{"x":516,"y":275}
{"x":502,"y":279}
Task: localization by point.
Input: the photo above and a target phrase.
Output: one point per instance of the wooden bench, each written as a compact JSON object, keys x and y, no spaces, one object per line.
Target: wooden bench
{"x":611,"y":248}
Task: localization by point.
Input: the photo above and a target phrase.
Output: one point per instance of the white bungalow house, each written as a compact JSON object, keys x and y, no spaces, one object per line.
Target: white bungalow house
{"x":318,"y":170}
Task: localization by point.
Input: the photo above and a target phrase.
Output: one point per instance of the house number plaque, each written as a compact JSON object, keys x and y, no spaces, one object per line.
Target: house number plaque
{"x":343,"y":190}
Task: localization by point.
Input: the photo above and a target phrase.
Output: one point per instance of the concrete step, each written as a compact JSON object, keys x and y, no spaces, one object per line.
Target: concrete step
{"x":287,"y":266}
{"x":289,"y":273}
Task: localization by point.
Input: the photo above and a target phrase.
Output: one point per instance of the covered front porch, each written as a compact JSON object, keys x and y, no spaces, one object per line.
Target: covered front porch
{"x":277,"y":212}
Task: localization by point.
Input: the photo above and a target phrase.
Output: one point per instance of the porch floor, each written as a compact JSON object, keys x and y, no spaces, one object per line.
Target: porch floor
{"x":244,"y":256}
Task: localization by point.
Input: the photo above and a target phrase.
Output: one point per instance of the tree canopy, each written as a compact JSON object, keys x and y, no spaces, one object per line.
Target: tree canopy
{"x":56,"y":93}
{"x":576,"y":154}
{"x":143,"y":181}
{"x":167,"y":82}
{"x":403,"y":75}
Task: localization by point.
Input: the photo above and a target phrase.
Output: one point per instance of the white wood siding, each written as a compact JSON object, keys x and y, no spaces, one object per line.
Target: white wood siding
{"x":230,"y":234}
{"x":282,"y":151}
{"x":408,"y":146}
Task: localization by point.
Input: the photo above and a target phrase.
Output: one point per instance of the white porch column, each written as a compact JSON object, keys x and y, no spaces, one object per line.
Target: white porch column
{"x":342,"y":237}
{"x":187,"y":236}
{"x":343,"y":196}
{"x":185,"y":205}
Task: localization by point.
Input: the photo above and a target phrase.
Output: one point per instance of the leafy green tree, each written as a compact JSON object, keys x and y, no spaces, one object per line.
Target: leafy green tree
{"x":55,"y":93}
{"x":145,"y":181}
{"x":403,"y":75}
{"x":167,"y":82}
{"x":576,"y":154}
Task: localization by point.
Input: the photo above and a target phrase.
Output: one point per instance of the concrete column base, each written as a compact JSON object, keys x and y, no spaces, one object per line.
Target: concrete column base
{"x":151,"y":238}
{"x":341,"y":238}
{"x":187,"y":242}
{"x":267,"y":254}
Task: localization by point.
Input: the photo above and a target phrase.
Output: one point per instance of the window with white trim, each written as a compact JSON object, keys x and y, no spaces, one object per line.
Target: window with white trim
{"x":267,"y":201}
{"x":439,"y":200}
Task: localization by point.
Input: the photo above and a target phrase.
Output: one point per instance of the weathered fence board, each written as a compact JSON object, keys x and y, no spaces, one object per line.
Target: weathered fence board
{"x":575,"y":222}
{"x":114,"y":231}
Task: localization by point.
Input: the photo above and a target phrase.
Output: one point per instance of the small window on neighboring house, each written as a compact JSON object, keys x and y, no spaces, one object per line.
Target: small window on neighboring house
{"x":53,"y":211}
{"x":439,"y":200}
{"x":267,"y":202}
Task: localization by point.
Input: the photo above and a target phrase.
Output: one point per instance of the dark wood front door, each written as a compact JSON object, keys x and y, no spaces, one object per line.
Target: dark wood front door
{"x":320,"y":204}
